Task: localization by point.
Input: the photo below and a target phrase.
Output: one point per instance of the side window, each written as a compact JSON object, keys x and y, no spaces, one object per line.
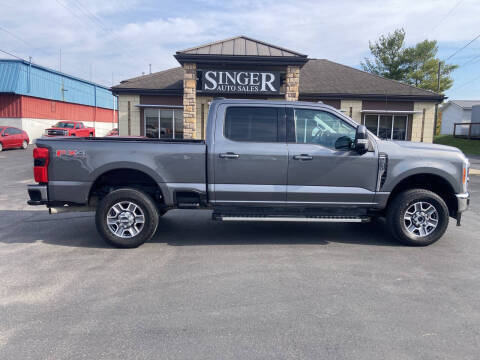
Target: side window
{"x":79,"y":126}
{"x":254,"y":124}
{"x":320,"y":127}
{"x":17,"y":131}
{"x":9,"y":131}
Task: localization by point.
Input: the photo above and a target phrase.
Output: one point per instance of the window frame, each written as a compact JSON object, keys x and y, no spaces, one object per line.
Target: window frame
{"x":158,"y":122}
{"x":364,"y":119}
{"x":281,"y":124}
{"x":291,"y":136}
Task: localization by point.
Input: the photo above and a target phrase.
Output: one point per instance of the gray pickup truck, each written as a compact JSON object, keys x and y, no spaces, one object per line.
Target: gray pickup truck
{"x":261,"y":161}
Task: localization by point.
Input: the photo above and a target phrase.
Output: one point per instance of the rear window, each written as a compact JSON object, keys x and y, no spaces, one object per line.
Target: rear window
{"x":65,"y":125}
{"x":255,"y":124}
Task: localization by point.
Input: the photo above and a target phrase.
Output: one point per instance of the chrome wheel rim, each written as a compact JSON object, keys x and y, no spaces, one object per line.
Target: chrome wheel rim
{"x":421,"y":219}
{"x":24,"y":144}
{"x":125,"y":219}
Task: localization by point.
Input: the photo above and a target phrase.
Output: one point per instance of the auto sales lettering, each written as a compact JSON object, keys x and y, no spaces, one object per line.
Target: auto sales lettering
{"x":240,"y":81}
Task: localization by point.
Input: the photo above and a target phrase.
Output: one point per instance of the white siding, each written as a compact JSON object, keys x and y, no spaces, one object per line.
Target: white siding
{"x":453,"y":114}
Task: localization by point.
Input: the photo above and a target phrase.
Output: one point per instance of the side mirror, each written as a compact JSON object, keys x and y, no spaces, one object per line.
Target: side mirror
{"x":343,"y":143}
{"x":361,"y":139}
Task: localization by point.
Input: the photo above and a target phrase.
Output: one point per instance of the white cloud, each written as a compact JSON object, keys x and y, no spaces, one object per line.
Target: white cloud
{"x":123,"y":37}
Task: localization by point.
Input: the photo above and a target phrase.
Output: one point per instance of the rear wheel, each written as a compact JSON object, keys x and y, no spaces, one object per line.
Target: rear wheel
{"x":24,"y":144}
{"x":417,"y":217}
{"x":90,"y":135}
{"x":1,"y":146}
{"x":126,"y":218}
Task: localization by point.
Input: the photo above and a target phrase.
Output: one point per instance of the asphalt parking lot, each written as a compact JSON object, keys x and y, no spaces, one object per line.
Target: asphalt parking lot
{"x":210,"y":290}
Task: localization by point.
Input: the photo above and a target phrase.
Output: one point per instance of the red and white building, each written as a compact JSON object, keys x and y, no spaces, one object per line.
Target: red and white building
{"x":34,"y":98}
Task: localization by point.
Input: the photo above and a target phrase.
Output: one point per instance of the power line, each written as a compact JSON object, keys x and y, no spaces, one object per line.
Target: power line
{"x":16,"y":36}
{"x":470,"y":60}
{"x":15,"y":56}
{"x":466,"y":83}
{"x":81,"y":6}
{"x":456,"y":52}
{"x":447,"y":15}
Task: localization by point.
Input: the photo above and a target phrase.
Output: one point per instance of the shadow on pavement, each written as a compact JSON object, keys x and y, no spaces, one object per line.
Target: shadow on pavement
{"x":187,"y":228}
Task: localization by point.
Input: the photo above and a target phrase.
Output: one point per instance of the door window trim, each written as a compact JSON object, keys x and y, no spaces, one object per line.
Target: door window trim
{"x":281,"y":124}
{"x":290,"y":125}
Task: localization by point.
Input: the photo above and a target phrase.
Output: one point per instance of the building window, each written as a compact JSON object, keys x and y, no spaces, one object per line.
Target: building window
{"x":164,"y":123}
{"x":392,"y":127}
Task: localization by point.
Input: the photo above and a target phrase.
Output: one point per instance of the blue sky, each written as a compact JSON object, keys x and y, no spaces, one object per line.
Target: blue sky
{"x":101,"y":40}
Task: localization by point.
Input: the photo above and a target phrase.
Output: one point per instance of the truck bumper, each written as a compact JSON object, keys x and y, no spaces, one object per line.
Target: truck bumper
{"x":463,"y":201}
{"x":38,"y":195}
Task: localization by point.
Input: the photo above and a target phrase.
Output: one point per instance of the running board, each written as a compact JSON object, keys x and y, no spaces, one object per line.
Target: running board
{"x":343,"y":219}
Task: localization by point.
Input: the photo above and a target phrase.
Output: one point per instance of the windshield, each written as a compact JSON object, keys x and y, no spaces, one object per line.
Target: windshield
{"x":65,"y":125}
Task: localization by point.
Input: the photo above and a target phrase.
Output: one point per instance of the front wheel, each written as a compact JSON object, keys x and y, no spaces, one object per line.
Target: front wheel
{"x":417,"y":217}
{"x":24,"y":145}
{"x":126,"y":218}
{"x":1,"y":147}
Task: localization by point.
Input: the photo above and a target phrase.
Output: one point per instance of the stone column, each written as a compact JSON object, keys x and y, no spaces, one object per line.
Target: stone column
{"x":292,"y":83}
{"x":189,"y":100}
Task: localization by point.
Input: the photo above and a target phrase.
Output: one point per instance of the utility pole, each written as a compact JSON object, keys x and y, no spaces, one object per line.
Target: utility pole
{"x":149,"y":68}
{"x":436,"y":105}
{"x":60,"y":61}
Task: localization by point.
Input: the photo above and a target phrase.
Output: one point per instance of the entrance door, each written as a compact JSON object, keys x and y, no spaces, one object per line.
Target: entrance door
{"x":250,"y":155}
{"x":163,"y":123}
{"x":318,"y":173}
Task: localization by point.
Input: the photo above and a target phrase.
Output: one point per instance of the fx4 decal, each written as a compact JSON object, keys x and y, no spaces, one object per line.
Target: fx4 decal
{"x":71,"y":153}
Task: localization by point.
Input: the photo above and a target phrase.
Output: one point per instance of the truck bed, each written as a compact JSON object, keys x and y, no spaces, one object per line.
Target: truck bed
{"x":76,"y":163}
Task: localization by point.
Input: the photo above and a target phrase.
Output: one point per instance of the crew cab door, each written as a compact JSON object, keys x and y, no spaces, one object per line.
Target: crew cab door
{"x":250,"y":155}
{"x":318,"y":172}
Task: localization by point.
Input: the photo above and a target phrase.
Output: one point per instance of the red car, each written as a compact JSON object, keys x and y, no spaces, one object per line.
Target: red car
{"x":11,"y":137}
{"x":70,"y":128}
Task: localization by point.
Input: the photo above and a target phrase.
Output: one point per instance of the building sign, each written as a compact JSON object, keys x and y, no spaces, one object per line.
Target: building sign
{"x":241,"y":81}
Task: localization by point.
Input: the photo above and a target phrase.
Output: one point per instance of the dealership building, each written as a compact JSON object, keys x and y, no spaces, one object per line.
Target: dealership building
{"x":174,"y":103}
{"x":34,"y":97}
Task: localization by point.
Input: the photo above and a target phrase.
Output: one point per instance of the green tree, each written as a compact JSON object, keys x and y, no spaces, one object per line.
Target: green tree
{"x":388,"y":56}
{"x":416,"y":65}
{"x":422,"y":67}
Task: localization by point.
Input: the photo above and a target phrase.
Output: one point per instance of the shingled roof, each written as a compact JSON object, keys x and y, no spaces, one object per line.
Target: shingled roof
{"x":328,"y":78}
{"x":318,"y":78}
{"x":167,"y":80}
{"x":240,"y":46}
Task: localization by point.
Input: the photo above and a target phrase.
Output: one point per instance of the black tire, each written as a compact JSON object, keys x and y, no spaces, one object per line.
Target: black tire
{"x":145,"y":205}
{"x":406,"y":201}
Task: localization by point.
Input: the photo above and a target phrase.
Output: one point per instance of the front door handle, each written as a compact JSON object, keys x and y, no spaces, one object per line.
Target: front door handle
{"x":303,"y":157}
{"x":229,"y":155}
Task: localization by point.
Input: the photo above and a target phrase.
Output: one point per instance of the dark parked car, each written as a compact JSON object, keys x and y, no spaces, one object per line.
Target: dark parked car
{"x":261,"y":161}
{"x":11,"y":137}
{"x":113,"y":132}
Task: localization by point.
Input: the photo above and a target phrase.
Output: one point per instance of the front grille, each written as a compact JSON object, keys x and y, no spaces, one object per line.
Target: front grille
{"x":56,"y":132}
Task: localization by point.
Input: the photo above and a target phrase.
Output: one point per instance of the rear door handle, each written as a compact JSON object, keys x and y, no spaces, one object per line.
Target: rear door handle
{"x":229,"y":155}
{"x":303,"y":157}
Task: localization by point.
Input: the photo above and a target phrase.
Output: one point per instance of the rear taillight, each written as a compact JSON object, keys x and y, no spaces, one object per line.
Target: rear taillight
{"x":40,"y":165}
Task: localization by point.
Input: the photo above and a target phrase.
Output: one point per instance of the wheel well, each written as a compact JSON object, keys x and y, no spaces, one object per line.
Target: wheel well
{"x":431,"y":182}
{"x":118,"y":178}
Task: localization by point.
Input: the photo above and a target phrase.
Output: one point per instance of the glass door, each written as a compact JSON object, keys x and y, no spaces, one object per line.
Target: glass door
{"x":400,"y":123}
{"x":151,"y":123}
{"x":163,"y":123}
